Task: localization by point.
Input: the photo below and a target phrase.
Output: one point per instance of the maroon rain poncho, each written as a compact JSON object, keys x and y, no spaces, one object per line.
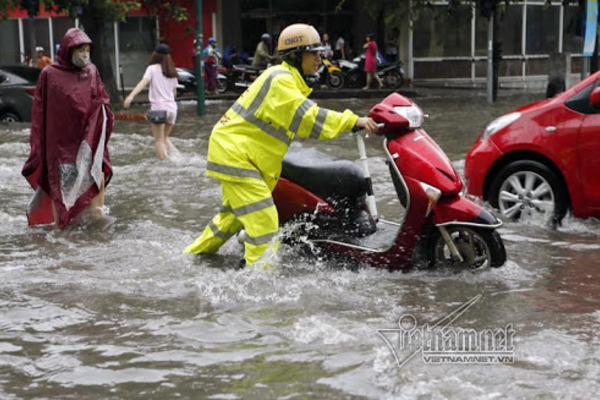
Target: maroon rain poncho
{"x":70,"y":128}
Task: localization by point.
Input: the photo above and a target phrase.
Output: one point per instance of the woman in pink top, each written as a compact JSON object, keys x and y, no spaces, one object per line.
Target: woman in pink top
{"x":161,"y":75}
{"x":371,"y":62}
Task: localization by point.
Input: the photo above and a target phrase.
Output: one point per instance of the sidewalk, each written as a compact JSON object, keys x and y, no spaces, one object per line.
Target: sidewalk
{"x":318,"y":94}
{"x":419,"y":90}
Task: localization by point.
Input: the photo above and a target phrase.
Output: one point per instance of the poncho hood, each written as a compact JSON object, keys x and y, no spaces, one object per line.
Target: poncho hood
{"x":73,"y":38}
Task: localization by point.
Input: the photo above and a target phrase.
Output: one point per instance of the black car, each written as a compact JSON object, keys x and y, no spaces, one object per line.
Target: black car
{"x":17,"y":87}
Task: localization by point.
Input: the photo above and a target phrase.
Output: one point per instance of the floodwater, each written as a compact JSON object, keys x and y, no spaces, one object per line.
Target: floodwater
{"x":114,"y":310}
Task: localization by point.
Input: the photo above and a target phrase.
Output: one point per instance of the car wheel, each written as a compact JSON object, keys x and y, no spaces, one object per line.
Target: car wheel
{"x":529,"y":189}
{"x":9,"y":117}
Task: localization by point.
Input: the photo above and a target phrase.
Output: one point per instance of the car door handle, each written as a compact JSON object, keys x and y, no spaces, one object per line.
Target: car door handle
{"x":550,"y":129}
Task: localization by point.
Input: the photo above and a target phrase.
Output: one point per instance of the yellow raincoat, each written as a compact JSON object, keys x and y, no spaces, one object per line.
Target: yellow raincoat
{"x":246,"y":151}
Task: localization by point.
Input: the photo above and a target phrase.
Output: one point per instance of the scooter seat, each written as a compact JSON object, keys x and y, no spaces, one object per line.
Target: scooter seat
{"x":387,"y":64}
{"x":324,"y":175}
{"x":248,"y":68}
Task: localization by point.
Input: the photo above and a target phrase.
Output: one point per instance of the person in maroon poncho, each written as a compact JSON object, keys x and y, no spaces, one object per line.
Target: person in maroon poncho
{"x":69,"y":165}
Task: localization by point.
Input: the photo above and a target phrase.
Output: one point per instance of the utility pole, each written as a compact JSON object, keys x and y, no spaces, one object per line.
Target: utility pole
{"x":487,"y":9}
{"x":200,"y":109}
{"x":33,"y":7}
{"x":490,"y":60}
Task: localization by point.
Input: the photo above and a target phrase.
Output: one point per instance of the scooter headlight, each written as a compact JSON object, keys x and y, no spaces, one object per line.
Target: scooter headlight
{"x":500,"y":123}
{"x":433,"y":195}
{"x":413,"y":114}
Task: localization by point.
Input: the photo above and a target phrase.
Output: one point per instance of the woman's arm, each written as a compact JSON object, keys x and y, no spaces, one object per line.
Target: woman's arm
{"x":138,"y":88}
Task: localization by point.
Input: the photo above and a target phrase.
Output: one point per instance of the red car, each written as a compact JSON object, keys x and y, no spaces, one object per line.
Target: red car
{"x":543,"y":158}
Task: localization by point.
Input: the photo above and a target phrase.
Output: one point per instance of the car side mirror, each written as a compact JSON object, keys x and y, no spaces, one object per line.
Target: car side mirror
{"x":595,"y":97}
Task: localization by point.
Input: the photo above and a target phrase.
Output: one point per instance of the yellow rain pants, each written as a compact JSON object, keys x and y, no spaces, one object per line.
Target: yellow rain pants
{"x":247,"y":205}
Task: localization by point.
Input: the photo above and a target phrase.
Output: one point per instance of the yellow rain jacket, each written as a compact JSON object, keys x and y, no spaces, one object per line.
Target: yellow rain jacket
{"x":252,"y":137}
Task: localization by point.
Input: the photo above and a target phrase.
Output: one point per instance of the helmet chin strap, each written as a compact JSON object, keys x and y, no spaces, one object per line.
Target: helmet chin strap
{"x":295,"y":60}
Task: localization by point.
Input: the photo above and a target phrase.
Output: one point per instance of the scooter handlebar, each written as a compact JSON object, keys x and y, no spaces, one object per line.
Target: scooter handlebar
{"x":356,"y":129}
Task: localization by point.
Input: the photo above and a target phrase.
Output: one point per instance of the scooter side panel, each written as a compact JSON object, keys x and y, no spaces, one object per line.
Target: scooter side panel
{"x":418,"y":156}
{"x":462,"y":210}
{"x":400,"y":254}
{"x":292,"y":199}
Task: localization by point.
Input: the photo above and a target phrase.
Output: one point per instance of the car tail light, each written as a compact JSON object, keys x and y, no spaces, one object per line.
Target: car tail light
{"x":30,"y":91}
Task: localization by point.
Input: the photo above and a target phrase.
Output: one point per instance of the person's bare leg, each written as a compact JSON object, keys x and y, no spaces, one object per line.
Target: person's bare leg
{"x":368,"y":81}
{"x":171,"y":149}
{"x":158,"y":131}
{"x":98,"y":200}
{"x":55,"y":214}
{"x":378,"y":80}
{"x":95,"y":208}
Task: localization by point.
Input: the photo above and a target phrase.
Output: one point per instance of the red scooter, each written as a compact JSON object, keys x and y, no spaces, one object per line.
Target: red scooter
{"x":329,"y":202}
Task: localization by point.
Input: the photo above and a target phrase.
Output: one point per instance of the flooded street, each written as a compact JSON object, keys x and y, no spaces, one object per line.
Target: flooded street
{"x":114,"y":310}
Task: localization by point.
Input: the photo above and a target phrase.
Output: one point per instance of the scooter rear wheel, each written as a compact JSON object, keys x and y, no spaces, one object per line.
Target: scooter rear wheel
{"x":335,"y":80}
{"x":393,"y":80}
{"x":479,"y":248}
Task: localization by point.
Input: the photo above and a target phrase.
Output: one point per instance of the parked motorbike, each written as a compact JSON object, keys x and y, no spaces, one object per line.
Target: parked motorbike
{"x":329,"y":202}
{"x":391,"y":73}
{"x":330,"y":74}
{"x":186,"y":80}
{"x":241,"y":76}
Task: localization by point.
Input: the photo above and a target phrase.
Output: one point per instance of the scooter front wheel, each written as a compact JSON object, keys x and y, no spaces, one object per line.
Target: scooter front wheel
{"x":478,"y":248}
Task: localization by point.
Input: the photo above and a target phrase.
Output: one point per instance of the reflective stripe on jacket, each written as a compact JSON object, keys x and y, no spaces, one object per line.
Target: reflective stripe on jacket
{"x":252,"y":137}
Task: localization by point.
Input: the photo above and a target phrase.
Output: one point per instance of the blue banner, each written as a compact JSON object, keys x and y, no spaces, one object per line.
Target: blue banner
{"x":591,"y":19}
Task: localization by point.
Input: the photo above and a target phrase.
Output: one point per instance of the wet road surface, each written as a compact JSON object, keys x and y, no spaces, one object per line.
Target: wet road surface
{"x":114,"y":310}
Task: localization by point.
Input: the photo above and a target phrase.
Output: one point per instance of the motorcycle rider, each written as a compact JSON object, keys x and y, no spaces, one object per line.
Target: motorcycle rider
{"x":247,"y":145}
{"x":262,"y":55}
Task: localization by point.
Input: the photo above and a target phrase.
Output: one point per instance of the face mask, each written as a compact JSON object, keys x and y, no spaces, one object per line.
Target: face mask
{"x":80,"y":60}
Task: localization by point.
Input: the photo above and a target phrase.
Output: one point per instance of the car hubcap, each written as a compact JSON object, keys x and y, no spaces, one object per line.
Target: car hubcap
{"x":525,"y":194}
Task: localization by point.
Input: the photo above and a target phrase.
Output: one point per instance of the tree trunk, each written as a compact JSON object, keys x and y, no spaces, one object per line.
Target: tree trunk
{"x":380,"y":33}
{"x":95,"y":28}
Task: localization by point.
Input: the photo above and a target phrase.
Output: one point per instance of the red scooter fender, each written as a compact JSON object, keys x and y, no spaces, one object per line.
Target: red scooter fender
{"x":292,"y":199}
{"x":458,"y":210}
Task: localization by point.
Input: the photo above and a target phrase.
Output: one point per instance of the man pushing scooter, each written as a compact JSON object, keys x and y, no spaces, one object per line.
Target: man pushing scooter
{"x":247,"y":145}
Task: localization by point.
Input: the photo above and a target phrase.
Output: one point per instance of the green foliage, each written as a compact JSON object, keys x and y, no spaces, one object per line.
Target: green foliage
{"x":9,"y":5}
{"x":108,"y":10}
{"x":172,"y":9}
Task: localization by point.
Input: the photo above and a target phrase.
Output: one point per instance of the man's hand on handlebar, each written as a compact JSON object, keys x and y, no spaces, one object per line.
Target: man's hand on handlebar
{"x":367,"y":123}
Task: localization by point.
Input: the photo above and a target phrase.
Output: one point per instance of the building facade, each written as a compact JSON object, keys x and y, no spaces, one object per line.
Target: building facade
{"x":130,"y":42}
{"x":434,"y":46}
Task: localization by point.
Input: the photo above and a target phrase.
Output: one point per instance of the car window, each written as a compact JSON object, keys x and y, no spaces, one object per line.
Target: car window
{"x":30,"y":74}
{"x":12,"y":79}
{"x":3,"y":78}
{"x":580,"y":102}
